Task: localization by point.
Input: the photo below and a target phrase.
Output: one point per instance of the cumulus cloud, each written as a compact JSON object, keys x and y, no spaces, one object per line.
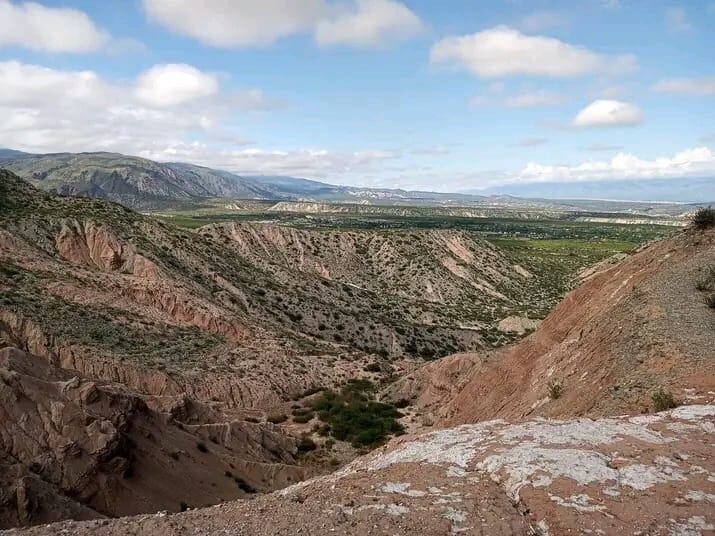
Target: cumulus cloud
{"x":699,"y":87}
{"x":369,"y":23}
{"x":504,"y":51}
{"x":695,"y":162}
{"x":229,"y":23}
{"x":171,"y":112}
{"x":316,"y":163}
{"x":49,"y":29}
{"x":47,"y":109}
{"x":172,"y":84}
{"x":535,"y":99}
{"x":608,"y":113}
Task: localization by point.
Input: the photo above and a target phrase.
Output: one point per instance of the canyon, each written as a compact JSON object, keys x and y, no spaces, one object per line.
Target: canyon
{"x":148,"y":368}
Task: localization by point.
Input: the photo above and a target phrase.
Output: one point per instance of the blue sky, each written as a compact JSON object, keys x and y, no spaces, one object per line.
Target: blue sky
{"x":449,"y":95}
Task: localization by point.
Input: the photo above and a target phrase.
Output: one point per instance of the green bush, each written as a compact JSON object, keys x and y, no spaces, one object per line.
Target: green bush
{"x":306,"y":445}
{"x":663,"y":400}
{"x":244,"y":486}
{"x":704,"y":218}
{"x":277,"y":418}
{"x":303,"y":417}
{"x":354,"y":416}
{"x":556,"y":389}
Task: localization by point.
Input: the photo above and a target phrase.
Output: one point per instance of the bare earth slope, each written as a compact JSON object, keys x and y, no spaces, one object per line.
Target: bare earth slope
{"x":640,"y":325}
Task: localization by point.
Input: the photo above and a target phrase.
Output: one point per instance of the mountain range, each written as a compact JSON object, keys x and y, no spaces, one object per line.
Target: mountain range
{"x":139,"y":182}
{"x":142,"y":183}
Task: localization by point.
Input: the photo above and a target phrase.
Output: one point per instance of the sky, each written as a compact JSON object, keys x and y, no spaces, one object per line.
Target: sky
{"x":452,"y":95}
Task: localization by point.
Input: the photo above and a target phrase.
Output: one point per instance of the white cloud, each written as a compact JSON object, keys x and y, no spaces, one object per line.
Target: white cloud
{"x":56,"y":110}
{"x":50,"y":110}
{"x":230,"y":23}
{"x":700,"y":87}
{"x":50,"y":29}
{"x":317,"y":163}
{"x":504,"y":51}
{"x":694,"y":162}
{"x":677,"y":20}
{"x":369,"y":23}
{"x":608,"y":113}
{"x":172,"y":84}
{"x":535,"y":99}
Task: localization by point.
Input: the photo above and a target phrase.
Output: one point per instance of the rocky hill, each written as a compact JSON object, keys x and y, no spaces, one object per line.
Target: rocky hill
{"x":139,"y":182}
{"x":129,"y":180}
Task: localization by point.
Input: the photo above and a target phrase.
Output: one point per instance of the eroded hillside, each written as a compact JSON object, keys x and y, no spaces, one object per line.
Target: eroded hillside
{"x":227,"y":331}
{"x":634,"y":328}
{"x":152,"y":360}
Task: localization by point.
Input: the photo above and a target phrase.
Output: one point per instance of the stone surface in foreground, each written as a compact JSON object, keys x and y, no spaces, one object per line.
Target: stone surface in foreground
{"x":649,"y":474}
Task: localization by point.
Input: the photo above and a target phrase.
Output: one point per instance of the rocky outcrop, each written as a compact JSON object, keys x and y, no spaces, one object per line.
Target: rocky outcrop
{"x":93,"y":245}
{"x":651,"y":474}
{"x":72,"y":447}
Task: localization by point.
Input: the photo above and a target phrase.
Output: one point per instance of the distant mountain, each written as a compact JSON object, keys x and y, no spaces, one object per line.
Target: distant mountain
{"x":142,"y":183}
{"x":129,"y":180}
{"x":686,"y":190}
{"x":139,"y":182}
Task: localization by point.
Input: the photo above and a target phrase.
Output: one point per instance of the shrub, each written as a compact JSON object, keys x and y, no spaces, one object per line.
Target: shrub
{"x":372,"y":367}
{"x":402,"y":403}
{"x":556,"y":389}
{"x":306,"y":445}
{"x":354,"y":416}
{"x":302,"y":418}
{"x":663,"y":400}
{"x":704,"y":218}
{"x":277,"y":418}
{"x":710,"y":301}
{"x":202,"y":446}
{"x":244,"y":486}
